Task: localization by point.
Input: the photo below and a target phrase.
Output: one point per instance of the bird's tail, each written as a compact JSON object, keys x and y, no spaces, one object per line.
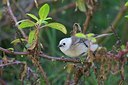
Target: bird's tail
{"x":103,"y":35}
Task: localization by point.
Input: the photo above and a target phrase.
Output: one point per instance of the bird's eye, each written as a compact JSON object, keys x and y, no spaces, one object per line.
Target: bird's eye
{"x":63,"y":43}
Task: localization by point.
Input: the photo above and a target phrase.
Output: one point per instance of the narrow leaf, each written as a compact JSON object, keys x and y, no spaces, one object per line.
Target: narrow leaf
{"x":17,"y":41}
{"x":80,"y":35}
{"x":126,"y":4}
{"x":44,"y":11}
{"x":31,"y":36}
{"x":93,"y":40}
{"x":49,"y":18}
{"x":25,"y":23}
{"x":57,"y":26}
{"x":81,"y":5}
{"x":126,"y":16}
{"x":90,"y":35}
{"x":32,"y":16}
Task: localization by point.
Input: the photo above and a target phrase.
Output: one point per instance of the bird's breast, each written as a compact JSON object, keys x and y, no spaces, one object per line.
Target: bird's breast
{"x":76,"y":50}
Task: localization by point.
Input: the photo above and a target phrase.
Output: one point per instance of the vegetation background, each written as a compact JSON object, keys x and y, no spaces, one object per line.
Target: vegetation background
{"x":65,"y":12}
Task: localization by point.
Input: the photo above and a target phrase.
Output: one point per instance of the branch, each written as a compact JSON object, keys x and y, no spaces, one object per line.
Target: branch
{"x":12,"y":52}
{"x":2,"y":82}
{"x":10,"y":63}
{"x":63,"y":59}
{"x":53,"y":58}
{"x":14,"y":18}
{"x":91,"y":5}
{"x":15,"y":62}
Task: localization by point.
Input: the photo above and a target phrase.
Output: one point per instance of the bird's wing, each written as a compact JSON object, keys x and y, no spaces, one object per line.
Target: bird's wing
{"x":76,"y":40}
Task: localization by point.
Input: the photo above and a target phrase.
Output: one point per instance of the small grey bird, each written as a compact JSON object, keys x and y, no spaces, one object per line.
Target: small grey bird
{"x":74,"y":46}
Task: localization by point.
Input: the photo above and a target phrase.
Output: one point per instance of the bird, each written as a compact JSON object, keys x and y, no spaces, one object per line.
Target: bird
{"x":75,"y":46}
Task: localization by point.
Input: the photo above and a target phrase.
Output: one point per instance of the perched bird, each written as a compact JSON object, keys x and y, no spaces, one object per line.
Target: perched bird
{"x":75,"y":46}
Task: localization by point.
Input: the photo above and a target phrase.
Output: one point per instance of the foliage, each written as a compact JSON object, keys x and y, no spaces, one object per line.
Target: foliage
{"x":35,"y":27}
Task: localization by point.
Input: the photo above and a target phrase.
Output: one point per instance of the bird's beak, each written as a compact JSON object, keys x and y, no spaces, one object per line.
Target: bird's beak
{"x":60,"y":45}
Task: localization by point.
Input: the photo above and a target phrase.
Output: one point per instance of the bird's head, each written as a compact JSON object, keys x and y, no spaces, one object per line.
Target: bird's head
{"x":65,"y":44}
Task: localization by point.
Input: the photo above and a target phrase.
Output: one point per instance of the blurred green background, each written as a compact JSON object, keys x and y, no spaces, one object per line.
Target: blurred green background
{"x":105,"y":13}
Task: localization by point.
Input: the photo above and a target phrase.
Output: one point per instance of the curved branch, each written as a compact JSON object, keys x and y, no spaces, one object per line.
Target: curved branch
{"x":12,"y":52}
{"x":14,"y":18}
{"x":73,"y":60}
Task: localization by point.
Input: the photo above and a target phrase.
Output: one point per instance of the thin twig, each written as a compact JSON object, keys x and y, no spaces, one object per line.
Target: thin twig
{"x":53,"y":58}
{"x":2,"y":82}
{"x":38,"y":65}
{"x":86,"y":23}
{"x":12,"y":52}
{"x":91,"y":6}
{"x":14,"y":18}
{"x":10,"y":63}
{"x":15,"y":62}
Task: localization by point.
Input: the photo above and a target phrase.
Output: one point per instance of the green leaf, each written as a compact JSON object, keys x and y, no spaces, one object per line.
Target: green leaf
{"x":11,"y":49}
{"x":32,"y":16}
{"x":44,"y":11}
{"x":80,"y":35}
{"x":57,"y":26}
{"x":123,"y":47}
{"x":25,"y":23}
{"x":93,"y":40}
{"x":32,"y":36}
{"x":44,"y":22}
{"x":126,"y":16}
{"x":90,"y":35}
{"x":81,"y":5}
{"x":126,"y":4}
{"x":49,"y":18}
{"x":17,"y":41}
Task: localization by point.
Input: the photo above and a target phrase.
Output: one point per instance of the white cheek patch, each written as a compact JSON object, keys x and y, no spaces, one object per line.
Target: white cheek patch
{"x":93,"y":47}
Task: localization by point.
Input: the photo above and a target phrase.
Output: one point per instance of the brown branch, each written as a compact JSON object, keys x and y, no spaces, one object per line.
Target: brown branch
{"x":10,"y":63}
{"x":86,"y":23}
{"x":73,"y":60}
{"x":52,"y":58}
{"x":77,"y":76}
{"x":14,"y":18}
{"x":2,"y":82}
{"x":68,"y":79}
{"x":12,"y":52}
{"x":15,"y":62}
{"x":38,"y":65}
{"x":44,"y":75}
{"x":91,"y":6}
{"x":63,"y":59}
